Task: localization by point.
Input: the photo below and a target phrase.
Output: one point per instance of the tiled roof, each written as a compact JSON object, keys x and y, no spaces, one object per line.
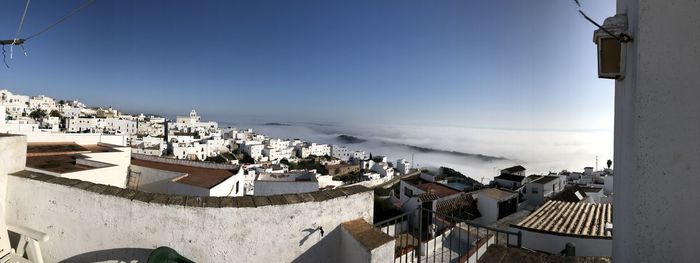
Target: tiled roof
{"x":465,"y":203}
{"x":428,"y":196}
{"x":570,"y":219}
{"x":438,"y":189}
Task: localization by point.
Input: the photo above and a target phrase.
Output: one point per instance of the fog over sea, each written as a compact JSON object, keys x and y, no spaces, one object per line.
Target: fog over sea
{"x":476,"y":152}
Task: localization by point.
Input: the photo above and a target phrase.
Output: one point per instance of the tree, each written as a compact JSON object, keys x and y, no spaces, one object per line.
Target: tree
{"x":38,"y":114}
{"x":609,"y":163}
{"x":55,"y":113}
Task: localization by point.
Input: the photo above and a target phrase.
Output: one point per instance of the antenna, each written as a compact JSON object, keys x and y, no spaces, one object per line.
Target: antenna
{"x":412,"y":155}
{"x":596,"y":162}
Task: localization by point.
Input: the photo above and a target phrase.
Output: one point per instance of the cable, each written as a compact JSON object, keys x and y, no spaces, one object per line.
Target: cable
{"x":21,"y":21}
{"x":16,"y":41}
{"x":72,"y":13}
{"x":4,"y":58}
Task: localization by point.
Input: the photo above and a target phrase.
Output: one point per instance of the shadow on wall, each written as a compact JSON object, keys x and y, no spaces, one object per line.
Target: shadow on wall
{"x":326,"y":250}
{"x":112,"y":255}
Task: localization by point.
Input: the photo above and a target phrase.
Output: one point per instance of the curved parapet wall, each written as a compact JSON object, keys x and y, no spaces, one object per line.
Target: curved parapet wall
{"x":90,"y":222}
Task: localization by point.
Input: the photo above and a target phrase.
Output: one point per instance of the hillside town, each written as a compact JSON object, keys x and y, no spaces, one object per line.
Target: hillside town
{"x":421,"y":209}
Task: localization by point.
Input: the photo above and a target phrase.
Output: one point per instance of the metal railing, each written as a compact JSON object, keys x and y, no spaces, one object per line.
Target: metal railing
{"x":423,"y":235}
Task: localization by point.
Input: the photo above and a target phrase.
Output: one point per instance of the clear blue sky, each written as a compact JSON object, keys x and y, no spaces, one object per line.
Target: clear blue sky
{"x":498,"y":64}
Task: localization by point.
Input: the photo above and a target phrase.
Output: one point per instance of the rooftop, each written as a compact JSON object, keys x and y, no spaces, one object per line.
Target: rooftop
{"x":57,"y":163}
{"x":503,"y":254}
{"x":195,"y":176}
{"x":294,"y":176}
{"x":589,"y":189}
{"x":570,"y":194}
{"x":497,"y":194}
{"x":570,"y":219}
{"x":63,"y":148}
{"x":438,"y":189}
{"x":510,"y":177}
{"x":545,"y":179}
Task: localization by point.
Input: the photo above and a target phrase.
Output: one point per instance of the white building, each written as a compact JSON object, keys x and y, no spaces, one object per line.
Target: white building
{"x":42,"y":102}
{"x":85,"y":124}
{"x":121,"y":125}
{"x":510,"y":181}
{"x":403,"y":166}
{"x":516,"y":170}
{"x":319,"y":149}
{"x":384,"y":170}
{"x":340,"y":152}
{"x":253,"y":148}
{"x":541,"y":187}
{"x":16,"y":105}
{"x":494,"y":204}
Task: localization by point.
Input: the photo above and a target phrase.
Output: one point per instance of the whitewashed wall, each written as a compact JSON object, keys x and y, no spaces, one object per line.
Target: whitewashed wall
{"x":85,"y":226}
{"x":657,"y":134}
{"x":555,"y":244}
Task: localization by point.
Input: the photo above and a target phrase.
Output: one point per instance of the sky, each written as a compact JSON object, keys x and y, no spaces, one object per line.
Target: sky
{"x":487,"y":64}
{"x":514,"y":79}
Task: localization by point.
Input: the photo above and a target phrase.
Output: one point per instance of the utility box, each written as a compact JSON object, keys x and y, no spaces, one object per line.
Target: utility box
{"x":611,"y":54}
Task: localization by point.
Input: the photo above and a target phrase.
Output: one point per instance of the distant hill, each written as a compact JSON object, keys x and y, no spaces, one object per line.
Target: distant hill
{"x":349,"y":139}
{"x":482,"y":157}
{"x":276,"y":124}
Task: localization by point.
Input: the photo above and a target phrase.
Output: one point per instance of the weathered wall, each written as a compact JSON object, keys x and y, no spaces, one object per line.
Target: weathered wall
{"x":13,"y":156}
{"x":122,"y":224}
{"x":657,"y":134}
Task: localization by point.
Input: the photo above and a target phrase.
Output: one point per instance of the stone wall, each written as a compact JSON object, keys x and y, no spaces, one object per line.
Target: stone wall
{"x":90,"y":222}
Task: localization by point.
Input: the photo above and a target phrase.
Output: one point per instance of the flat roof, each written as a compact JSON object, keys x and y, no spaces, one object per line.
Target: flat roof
{"x":64,"y":148}
{"x":438,"y":189}
{"x":498,"y":194}
{"x":570,"y":219}
{"x":294,"y":176}
{"x":195,"y":176}
{"x":57,"y":163}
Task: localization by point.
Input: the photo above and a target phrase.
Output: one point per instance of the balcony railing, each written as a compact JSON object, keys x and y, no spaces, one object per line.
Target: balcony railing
{"x":423,"y":235}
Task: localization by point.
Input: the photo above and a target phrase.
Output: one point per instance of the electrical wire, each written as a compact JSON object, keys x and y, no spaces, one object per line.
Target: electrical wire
{"x":16,"y":41}
{"x":72,"y":13}
{"x":21,"y":21}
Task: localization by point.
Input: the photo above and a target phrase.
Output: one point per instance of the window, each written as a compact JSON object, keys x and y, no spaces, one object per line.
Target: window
{"x":237,"y":187}
{"x":407,"y":192}
{"x":534,"y":190}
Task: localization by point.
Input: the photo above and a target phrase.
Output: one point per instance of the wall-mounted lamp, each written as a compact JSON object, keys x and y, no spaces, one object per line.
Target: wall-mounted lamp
{"x":609,"y":38}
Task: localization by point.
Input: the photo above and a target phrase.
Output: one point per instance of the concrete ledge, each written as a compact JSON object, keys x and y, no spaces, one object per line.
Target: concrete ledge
{"x":362,"y":242}
{"x":366,"y":234}
{"x":195,"y":201}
